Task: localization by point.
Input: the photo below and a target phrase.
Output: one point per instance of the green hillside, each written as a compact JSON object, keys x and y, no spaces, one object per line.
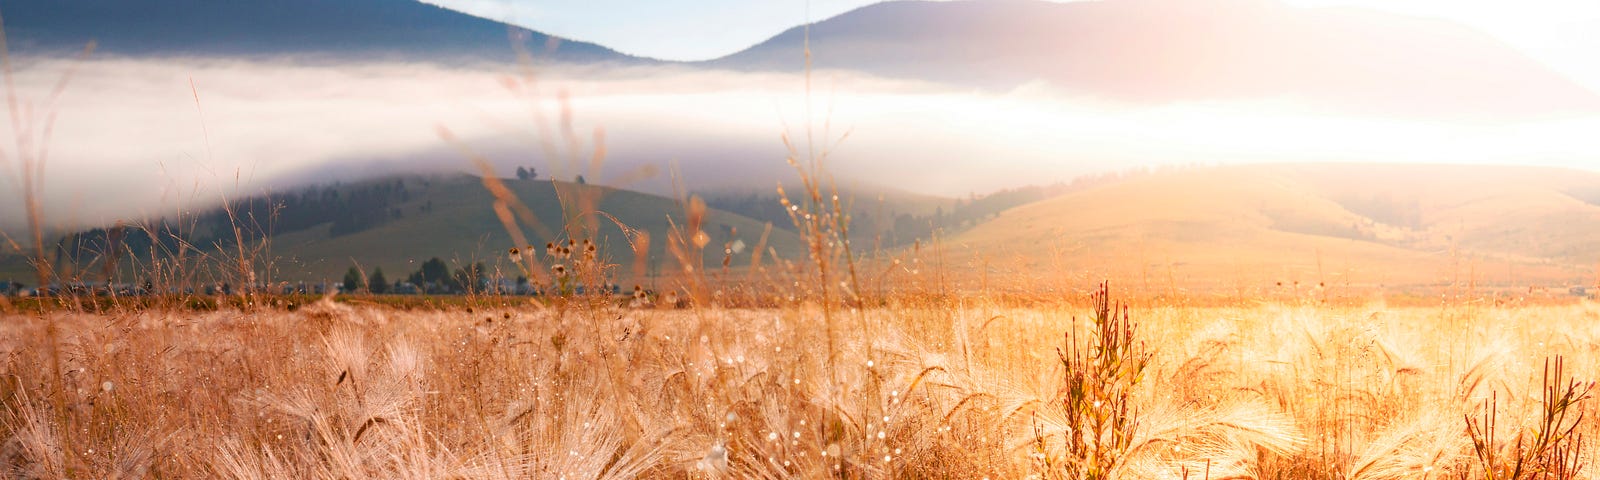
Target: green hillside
{"x":416,"y":218}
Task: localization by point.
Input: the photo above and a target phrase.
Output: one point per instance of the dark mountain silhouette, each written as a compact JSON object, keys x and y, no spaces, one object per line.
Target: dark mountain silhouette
{"x":336,"y":29}
{"x":1174,"y":50}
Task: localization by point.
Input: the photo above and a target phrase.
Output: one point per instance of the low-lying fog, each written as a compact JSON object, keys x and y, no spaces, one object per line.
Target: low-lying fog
{"x":130,"y":139}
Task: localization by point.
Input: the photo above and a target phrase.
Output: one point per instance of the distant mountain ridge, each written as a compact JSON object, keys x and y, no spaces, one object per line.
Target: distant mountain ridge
{"x":390,"y":29}
{"x":1163,"y":51}
{"x":1151,"y":51}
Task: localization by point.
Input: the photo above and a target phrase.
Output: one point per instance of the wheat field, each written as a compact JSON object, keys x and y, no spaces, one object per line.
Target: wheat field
{"x":905,"y":389}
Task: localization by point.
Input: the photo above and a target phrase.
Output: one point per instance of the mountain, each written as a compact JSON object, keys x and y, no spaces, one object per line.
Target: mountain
{"x":1249,"y":227}
{"x":338,"y":29}
{"x":1156,"y":51}
{"x":397,"y":223}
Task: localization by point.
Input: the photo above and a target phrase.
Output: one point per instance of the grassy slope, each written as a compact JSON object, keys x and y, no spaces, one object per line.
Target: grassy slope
{"x":872,"y":206}
{"x":1241,"y":228}
{"x":1250,"y":227}
{"x":462,"y":227}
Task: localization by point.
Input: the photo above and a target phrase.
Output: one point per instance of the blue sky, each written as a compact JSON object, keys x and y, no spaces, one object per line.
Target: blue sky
{"x":669,"y":29}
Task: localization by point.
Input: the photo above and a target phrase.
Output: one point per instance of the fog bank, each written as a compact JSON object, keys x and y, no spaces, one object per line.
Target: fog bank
{"x":131,"y":140}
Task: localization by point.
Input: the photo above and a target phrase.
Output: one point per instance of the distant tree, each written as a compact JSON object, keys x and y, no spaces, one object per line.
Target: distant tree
{"x":522,"y":173}
{"x":470,"y":278}
{"x":580,"y":180}
{"x":532,"y":174}
{"x":434,"y":272}
{"x":352,"y":280}
{"x":378,"y":284}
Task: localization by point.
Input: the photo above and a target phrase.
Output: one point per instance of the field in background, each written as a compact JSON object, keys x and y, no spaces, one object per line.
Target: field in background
{"x":912,"y":389}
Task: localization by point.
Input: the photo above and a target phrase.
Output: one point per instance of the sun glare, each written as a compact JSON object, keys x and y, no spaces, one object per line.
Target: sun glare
{"x":1517,"y":22}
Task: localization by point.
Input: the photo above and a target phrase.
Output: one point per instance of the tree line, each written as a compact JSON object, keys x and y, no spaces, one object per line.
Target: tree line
{"x":432,"y":277}
{"x":346,"y":209}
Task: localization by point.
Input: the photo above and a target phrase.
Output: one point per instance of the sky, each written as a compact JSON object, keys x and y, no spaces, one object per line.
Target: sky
{"x":1561,"y":33}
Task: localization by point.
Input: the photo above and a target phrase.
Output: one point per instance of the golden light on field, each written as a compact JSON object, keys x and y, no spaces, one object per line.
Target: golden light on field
{"x":987,"y":239}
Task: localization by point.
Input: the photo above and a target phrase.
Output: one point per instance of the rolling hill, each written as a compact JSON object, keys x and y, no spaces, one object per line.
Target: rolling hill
{"x":337,"y":30}
{"x":1249,"y":228}
{"x":447,"y":216}
{"x":1235,"y":229}
{"x":1155,"y":51}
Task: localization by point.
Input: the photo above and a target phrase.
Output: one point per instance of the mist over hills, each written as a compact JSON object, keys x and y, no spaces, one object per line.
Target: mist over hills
{"x":1028,"y":62}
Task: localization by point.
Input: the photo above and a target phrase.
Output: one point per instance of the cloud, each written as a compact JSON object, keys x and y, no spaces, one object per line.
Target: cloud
{"x":132,"y":141}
